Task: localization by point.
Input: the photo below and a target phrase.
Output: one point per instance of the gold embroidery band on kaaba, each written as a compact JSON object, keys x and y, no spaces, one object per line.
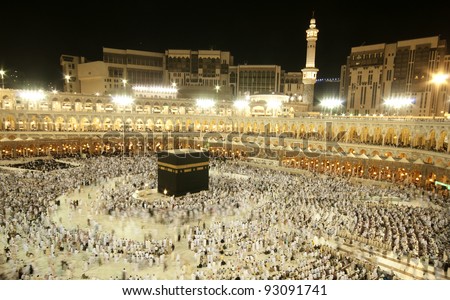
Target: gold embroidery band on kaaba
{"x":178,"y":167}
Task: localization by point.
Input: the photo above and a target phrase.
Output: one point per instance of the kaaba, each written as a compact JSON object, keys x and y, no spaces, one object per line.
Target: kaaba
{"x":183,"y":171}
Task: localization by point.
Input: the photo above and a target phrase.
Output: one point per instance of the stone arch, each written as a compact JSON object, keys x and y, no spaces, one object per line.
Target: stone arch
{"x":33,"y":122}
{"x":72,"y":124}
{"x":21,"y":123}
{"x":404,"y":138}
{"x":402,"y":155}
{"x":419,"y":140}
{"x":182,"y":109}
{"x":140,"y":126}
{"x":139,"y":108}
{"x":190,"y":109}
{"x":99,"y":106}
{"x":78,"y":105}
{"x":118,"y":124}
{"x":44,"y":104}
{"x":174,"y":108}
{"x":6,"y":103}
{"x":165,"y":108}
{"x":129,"y":124}
{"x":284,"y":128}
{"x":377,"y":137}
{"x":388,"y":154}
{"x":85,"y":124}
{"x":221,"y":126}
{"x":189,"y":124}
{"x":390,"y":137}
{"x":88,"y":105}
{"x":9,"y":122}
{"x":429,"y":160}
{"x":56,"y":104}
{"x":431,"y":140}
{"x":321,"y":130}
{"x":47,"y":123}
{"x":156,"y":108}
{"x":168,"y":126}
{"x":109,"y":107}
{"x":107,"y":124}
{"x":294,"y":129}
{"x":147,"y":107}
{"x":178,"y":125}
{"x":365,"y":135}
{"x":352,"y":135}
{"x":204,"y":125}
{"x":248,"y":127}
{"x":150,"y":125}
{"x":375,"y":152}
{"x":159,"y":125}
{"x":442,"y":141}
{"x":96,"y":124}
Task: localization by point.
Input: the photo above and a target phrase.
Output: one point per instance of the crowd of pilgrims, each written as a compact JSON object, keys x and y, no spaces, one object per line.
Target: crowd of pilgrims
{"x":43,"y":165}
{"x":260,"y":223}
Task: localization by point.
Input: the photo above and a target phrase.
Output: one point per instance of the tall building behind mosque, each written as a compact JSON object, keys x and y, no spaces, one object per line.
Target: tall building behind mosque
{"x":310,"y":70}
{"x":407,"y":77}
{"x":196,"y":74}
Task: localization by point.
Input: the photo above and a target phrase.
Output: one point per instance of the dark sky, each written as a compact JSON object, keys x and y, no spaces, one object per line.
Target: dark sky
{"x":34,"y":36}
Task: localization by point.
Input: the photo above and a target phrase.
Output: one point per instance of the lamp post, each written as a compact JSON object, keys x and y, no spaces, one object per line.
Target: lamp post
{"x":123,"y":101}
{"x":2,"y":74}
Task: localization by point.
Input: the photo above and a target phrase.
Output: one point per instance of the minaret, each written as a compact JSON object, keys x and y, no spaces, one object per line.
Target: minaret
{"x":310,"y":71}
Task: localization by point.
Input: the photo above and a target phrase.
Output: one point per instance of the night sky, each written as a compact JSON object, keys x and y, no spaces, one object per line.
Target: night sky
{"x":34,"y":36}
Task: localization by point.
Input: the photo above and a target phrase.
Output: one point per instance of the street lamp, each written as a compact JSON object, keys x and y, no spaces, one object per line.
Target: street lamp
{"x":67,"y":78}
{"x":274,"y":105}
{"x":205,"y":104}
{"x":32,"y":96}
{"x":217,"y":88}
{"x":123,"y":101}
{"x":124,"y":83}
{"x":398,"y":102}
{"x":2,"y":74}
{"x":437,"y":80}
{"x":241,"y":105}
{"x":331,"y":103}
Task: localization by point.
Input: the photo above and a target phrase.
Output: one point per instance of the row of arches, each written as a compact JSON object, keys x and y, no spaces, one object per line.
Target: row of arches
{"x":88,"y":105}
{"x":140,"y":107}
{"x":422,"y":138}
{"x":247,"y":143}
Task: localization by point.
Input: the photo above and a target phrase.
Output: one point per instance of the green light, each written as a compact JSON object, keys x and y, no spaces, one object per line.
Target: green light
{"x":443,"y":184}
